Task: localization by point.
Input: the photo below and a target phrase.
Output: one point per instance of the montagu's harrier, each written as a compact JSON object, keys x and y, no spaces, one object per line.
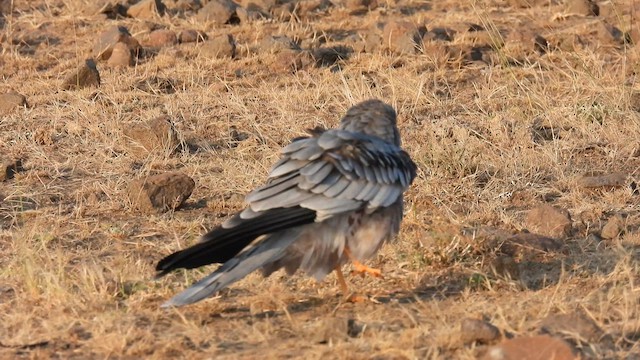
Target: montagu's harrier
{"x":333,"y":197}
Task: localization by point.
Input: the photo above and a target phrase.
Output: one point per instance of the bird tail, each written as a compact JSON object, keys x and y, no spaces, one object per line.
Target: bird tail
{"x":222,"y":244}
{"x":271,"y":248}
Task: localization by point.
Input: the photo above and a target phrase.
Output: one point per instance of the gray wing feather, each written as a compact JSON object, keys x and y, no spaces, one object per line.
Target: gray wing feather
{"x":393,"y":197}
{"x":308,"y":153}
{"x":392,"y":173}
{"x":295,"y":146}
{"x":328,"y":140}
{"x":321,"y":202}
{"x":337,"y":188}
{"x":345,"y":164}
{"x":369,"y":174}
{"x":369,"y":193}
{"x":402,"y":177}
{"x":344,"y":207}
{"x":316,"y":175}
{"x":328,"y":181}
{"x":331,"y":180}
{"x":354,"y":188}
{"x":270,"y":191}
{"x":387,"y":194}
{"x":312,"y":168}
{"x":358,"y":169}
{"x":287,"y":167}
{"x":237,"y":219}
{"x":381,"y":175}
{"x":285,"y":199}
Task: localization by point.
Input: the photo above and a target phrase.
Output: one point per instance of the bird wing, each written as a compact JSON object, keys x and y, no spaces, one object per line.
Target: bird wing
{"x":335,"y":172}
{"x":318,"y":177}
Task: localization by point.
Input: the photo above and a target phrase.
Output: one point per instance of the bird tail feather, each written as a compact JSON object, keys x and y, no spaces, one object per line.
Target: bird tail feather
{"x":266,"y":251}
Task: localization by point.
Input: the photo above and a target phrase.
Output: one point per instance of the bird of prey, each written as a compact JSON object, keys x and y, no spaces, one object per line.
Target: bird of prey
{"x":334,"y":197}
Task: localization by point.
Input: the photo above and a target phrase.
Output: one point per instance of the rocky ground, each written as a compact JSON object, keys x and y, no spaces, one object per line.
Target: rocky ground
{"x":129,"y":128}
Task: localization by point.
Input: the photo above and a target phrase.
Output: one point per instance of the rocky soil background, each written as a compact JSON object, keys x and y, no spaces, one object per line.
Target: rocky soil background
{"x":128,"y":128}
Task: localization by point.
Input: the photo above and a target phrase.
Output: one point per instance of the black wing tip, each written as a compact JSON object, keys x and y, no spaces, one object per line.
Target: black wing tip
{"x":165,"y":265}
{"x":161,"y":274}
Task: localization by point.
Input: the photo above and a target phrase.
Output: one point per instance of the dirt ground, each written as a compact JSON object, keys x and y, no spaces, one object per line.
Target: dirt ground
{"x":505,"y":106}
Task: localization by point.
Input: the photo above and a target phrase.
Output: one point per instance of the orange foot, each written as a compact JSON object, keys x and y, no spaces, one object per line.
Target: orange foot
{"x":361,"y":269}
{"x":356,"y":298}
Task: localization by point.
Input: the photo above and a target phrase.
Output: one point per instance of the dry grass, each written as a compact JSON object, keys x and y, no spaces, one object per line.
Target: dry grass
{"x":76,"y":264}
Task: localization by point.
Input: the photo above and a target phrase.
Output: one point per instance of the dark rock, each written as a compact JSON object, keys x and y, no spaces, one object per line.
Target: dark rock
{"x":573,"y":325}
{"x":121,"y":56}
{"x":613,"y":180}
{"x":108,"y":39}
{"x":506,"y":266}
{"x":284,"y":11}
{"x":189,"y":36}
{"x":359,"y":5}
{"x":291,"y":60}
{"x":264,"y":6}
{"x":613,"y":228}
{"x":403,"y":37}
{"x":583,"y":7}
{"x":522,"y":244}
{"x":330,"y":55}
{"x":275,"y":44}
{"x":609,"y":34}
{"x":530,"y":348}
{"x":540,"y":44}
{"x":109,"y":8}
{"x":549,"y":221}
{"x":147,"y":9}
{"x":248,"y":16}
{"x":188,"y":5}
{"x":158,"y":134}
{"x":221,"y":46}
{"x":372,"y":41}
{"x":160,"y":193}
{"x":87,"y":75}
{"x":439,"y":34}
{"x":161,"y":38}
{"x":331,"y":329}
{"x":10,"y":101}
{"x":219,"y":12}
{"x":474,"y":330}
{"x":305,"y":8}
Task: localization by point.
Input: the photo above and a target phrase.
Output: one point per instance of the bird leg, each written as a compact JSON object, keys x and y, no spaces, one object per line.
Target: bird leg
{"x":360,"y":268}
{"x":343,"y":284}
{"x":353,"y":298}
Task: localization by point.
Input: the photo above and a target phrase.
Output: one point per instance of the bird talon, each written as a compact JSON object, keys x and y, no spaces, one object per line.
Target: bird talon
{"x":356,"y":298}
{"x":363,"y":270}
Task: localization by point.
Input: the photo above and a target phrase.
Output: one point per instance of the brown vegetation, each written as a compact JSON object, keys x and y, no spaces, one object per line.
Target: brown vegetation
{"x":506,"y":107}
